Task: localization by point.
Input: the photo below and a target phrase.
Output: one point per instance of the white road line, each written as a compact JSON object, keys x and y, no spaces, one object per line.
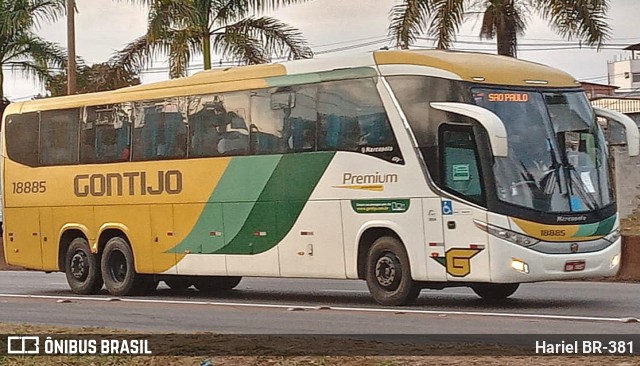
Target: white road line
{"x":396,"y":310}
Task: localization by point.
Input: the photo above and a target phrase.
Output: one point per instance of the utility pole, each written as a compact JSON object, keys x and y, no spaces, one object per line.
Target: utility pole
{"x":71,"y":48}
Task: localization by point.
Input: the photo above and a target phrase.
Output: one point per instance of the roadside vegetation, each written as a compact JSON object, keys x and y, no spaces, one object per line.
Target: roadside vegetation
{"x":274,"y":347}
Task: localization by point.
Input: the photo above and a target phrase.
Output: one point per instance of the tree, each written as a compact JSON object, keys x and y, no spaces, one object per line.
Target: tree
{"x":183,"y":28}
{"x":95,"y":78}
{"x":20,"y":48}
{"x":501,"y":19}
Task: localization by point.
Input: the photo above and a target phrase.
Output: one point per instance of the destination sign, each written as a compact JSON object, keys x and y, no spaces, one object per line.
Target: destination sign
{"x":508,"y":97}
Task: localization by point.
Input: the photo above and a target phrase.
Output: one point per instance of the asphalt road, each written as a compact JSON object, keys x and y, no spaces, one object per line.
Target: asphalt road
{"x":281,"y":306}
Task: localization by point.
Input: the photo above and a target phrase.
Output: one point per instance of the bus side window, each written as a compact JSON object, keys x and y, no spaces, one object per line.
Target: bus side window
{"x":104,"y":134}
{"x":159,"y":131}
{"x":354,"y":119}
{"x":59,"y":137}
{"x":460,"y":164}
{"x":22,"y":138}
{"x":205,"y":118}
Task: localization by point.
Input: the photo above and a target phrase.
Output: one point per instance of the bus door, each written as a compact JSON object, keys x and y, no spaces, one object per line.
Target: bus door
{"x":466,"y":255}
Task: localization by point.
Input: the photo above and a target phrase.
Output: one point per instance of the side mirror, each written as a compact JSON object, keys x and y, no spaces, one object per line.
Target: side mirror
{"x":631,"y":128}
{"x":489,"y":120}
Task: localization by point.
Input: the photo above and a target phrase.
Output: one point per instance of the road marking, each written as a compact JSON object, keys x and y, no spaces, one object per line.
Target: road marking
{"x":336,"y":308}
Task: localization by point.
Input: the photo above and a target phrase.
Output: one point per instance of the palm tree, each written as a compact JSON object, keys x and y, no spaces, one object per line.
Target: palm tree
{"x":183,"y":28}
{"x":501,"y":19}
{"x":20,"y":48}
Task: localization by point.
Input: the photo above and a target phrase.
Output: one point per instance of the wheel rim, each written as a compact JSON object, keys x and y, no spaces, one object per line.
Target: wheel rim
{"x":118,"y":266}
{"x":79,"y":265}
{"x":388,"y":272}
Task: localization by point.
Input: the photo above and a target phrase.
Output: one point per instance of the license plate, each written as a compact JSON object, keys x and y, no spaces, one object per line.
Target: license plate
{"x":572,"y":266}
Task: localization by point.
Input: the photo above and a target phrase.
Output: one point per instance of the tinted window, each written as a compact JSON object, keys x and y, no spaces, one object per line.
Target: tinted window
{"x":22,"y":138}
{"x":284,"y":120}
{"x":460,"y":163}
{"x":415,"y":93}
{"x":353,"y":118}
{"x":59,"y":137}
{"x":218,"y":124}
{"x":160,"y":130}
{"x":105,"y":133}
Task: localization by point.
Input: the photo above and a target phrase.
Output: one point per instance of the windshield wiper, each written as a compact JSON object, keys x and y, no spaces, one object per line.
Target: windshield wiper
{"x":582,"y":192}
{"x":553,"y":169}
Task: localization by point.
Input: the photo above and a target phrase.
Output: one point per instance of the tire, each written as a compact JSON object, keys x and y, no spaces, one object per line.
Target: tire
{"x":82,"y":268}
{"x":388,"y":273}
{"x":495,"y":291}
{"x":118,"y":270}
{"x":178,"y":283}
{"x":216,"y":283}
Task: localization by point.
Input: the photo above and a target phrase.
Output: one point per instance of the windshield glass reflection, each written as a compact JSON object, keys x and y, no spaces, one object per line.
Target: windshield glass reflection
{"x":557,"y":155}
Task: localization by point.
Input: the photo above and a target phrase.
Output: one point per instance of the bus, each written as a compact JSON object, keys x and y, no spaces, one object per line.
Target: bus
{"x":409,"y":170}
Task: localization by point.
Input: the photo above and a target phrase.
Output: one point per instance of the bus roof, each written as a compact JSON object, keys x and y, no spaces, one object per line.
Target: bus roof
{"x":474,"y":67}
{"x":481,"y":67}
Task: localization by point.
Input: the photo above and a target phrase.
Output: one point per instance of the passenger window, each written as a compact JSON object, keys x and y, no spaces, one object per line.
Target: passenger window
{"x":160,"y":130}
{"x":59,"y":131}
{"x":352,"y":118}
{"x":22,"y":138}
{"x":217,"y":124}
{"x":284,"y":120}
{"x":460,"y":164}
{"x":105,"y":133}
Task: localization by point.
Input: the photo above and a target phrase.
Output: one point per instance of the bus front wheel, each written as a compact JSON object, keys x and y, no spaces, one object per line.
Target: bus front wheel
{"x":118,"y":270}
{"x":82,"y":268}
{"x":495,"y":291}
{"x":388,"y":273}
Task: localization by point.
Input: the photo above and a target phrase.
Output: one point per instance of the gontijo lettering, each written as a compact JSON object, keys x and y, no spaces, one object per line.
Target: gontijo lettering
{"x":128,"y":184}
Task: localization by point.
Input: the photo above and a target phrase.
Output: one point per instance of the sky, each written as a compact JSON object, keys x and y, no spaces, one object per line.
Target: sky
{"x":337,"y":27}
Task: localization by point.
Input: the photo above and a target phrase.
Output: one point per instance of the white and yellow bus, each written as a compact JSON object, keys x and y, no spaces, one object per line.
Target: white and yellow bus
{"x":407,"y":169}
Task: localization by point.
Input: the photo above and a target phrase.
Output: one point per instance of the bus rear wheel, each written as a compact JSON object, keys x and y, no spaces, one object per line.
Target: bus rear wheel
{"x":118,"y":270}
{"x":82,"y":268}
{"x":388,"y":274}
{"x":216,"y":283}
{"x":495,"y":291}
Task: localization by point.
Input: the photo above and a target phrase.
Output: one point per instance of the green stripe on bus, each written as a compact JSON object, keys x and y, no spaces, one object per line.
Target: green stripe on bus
{"x":606,"y":225}
{"x":317,"y":77}
{"x":238,"y":190}
{"x":280,"y":203}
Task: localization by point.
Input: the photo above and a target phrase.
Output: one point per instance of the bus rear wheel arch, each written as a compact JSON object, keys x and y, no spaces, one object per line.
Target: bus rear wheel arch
{"x":118,"y":270}
{"x":82,"y":268}
{"x":388,"y":273}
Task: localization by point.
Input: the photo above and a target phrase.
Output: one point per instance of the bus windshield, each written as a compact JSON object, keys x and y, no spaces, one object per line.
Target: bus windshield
{"x":557,"y":158}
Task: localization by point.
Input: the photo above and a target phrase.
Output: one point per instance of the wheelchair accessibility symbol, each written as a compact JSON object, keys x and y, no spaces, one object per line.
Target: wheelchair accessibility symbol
{"x":447,"y":208}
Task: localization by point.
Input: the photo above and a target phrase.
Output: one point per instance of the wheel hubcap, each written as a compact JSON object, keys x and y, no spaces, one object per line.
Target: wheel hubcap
{"x":387,"y":271}
{"x":118,"y":266}
{"x":79,"y":266}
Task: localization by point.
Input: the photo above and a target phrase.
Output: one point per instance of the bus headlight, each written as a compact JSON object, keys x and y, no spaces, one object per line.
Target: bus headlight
{"x":519,"y":265}
{"x":512,"y":236}
{"x":614,"y":261}
{"x":613,"y":236}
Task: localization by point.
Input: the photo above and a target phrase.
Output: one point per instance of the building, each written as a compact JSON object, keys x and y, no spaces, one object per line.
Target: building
{"x":625,"y":73}
{"x":595,"y":90}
